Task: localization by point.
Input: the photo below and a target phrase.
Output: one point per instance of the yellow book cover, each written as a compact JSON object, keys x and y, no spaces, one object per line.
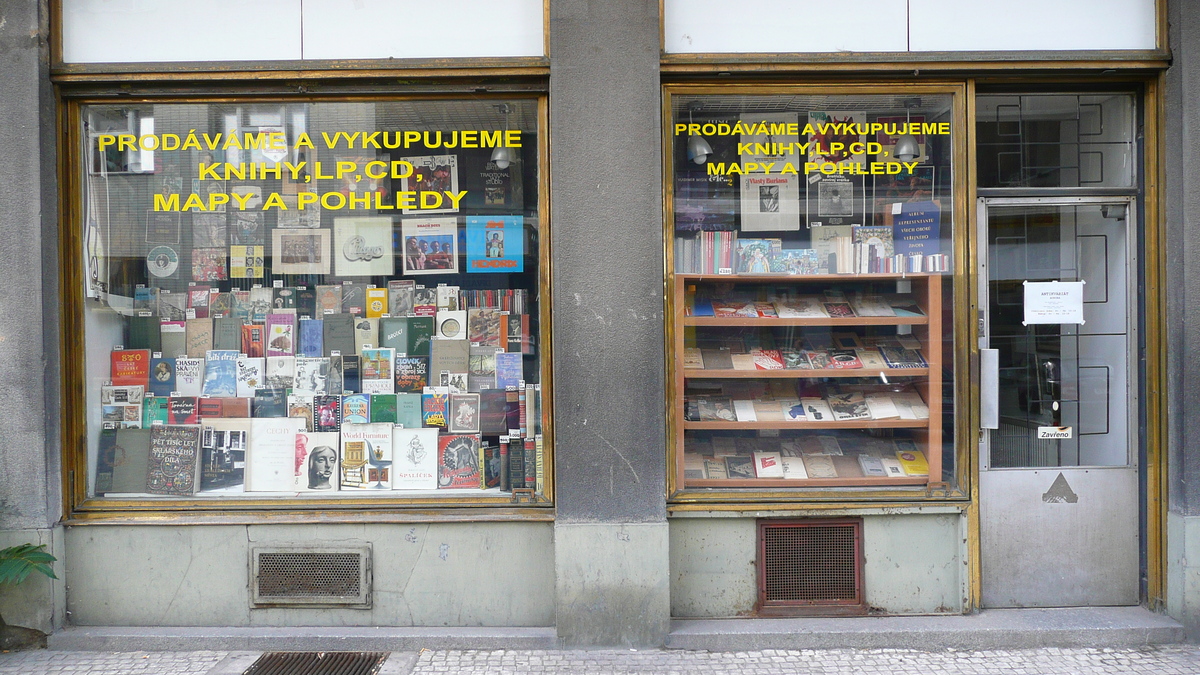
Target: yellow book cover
{"x":377,"y":302}
{"x":913,"y":462}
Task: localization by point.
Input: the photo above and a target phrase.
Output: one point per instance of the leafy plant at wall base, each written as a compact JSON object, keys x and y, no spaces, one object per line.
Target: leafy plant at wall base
{"x":17,"y":563}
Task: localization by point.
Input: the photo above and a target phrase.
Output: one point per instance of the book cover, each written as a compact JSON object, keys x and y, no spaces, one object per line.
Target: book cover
{"x":817,"y":410}
{"x":227,"y":333}
{"x":261,"y":301}
{"x":795,"y":261}
{"x":768,"y":359}
{"x":415,"y":459}
{"x":271,"y":460}
{"x":451,"y":356}
{"x":516,"y":463}
{"x":223,"y":446}
{"x":400,"y":297}
{"x":892,"y":467}
{"x":312,"y":376}
{"x":144,"y":332}
{"x":770,"y":201}
{"x":162,"y":376}
{"x":843,"y":359}
{"x":458,"y":461}
{"x":155,"y":410}
{"x":509,"y":369}
{"x":492,"y":411}
{"x":530,"y":463}
{"x":281,"y":335}
{"x":366,"y":334}
{"x":755,"y":256}
{"x":434,"y":402}
{"x":173,"y":466}
{"x":481,"y":369}
{"x":356,"y":409}
{"x":172,"y":306}
{"x":377,"y":302}
{"x":793,"y":411}
{"x":310,"y":338}
{"x":495,"y":244}
{"x":744,"y":411}
{"x":327,"y":413}
{"x":880,"y":237}
{"x":820,"y":466}
{"x":793,"y":468}
{"x":898,"y":357}
{"x":236,"y":407}
{"x":130,"y":460}
{"x":408,"y":410}
{"x":269,"y":402}
{"x":362,"y":247}
{"x":916,"y":228}
{"x":377,"y":375}
{"x":489,"y":465}
{"x":484,"y":327}
{"x":354,"y":299}
{"x":870,"y":357}
{"x":198,"y":300}
{"x":254,"y":337}
{"x":383,"y":408}
{"x":301,"y":407}
{"x":105,"y":457}
{"x":412,"y":374}
{"x":245,"y":262}
{"x":189,"y":376}
{"x":306,"y":303}
{"x":351,"y":373}
{"x":447,"y":298}
{"x":424,"y":301}
{"x":913,"y":462}
{"x":338,"y":334}
{"x":739,"y":466}
{"x":173,"y":338}
{"x":420,"y":334}
{"x":280,"y":372}
{"x":315,"y":467}
{"x":130,"y":367}
{"x":871,"y":465}
{"x":849,"y":406}
{"x":209,"y":407}
{"x":366,"y":457}
{"x":220,"y":373}
{"x":121,"y":416}
{"x":329,"y":299}
{"x":393,"y":333}
{"x":250,"y":375}
{"x":839,"y":310}
{"x":768,"y":465}
{"x":464,"y":414}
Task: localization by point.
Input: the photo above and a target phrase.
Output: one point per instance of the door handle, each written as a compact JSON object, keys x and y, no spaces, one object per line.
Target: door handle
{"x":989,"y":388}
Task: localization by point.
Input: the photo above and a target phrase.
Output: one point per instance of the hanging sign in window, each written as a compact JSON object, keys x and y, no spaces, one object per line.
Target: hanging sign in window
{"x":1053,"y":302}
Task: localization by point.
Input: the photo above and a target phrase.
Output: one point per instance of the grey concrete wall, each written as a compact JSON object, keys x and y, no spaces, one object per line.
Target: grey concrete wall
{"x":1182,"y":144}
{"x":606,"y":247}
{"x":914,"y":565}
{"x":29,"y":452}
{"x":461,"y":574}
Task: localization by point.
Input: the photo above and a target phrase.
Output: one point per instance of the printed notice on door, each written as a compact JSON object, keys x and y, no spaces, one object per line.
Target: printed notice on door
{"x":1053,"y":302}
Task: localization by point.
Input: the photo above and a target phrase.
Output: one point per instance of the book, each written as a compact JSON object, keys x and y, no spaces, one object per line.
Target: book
{"x":415,"y":464}
{"x":327,"y":413}
{"x":311,"y":376}
{"x":881,"y":407}
{"x":817,"y":410}
{"x":173,"y":338}
{"x":458,"y":461}
{"x":254,"y":340}
{"x":420,"y":334}
{"x":844,"y":359}
{"x":269,"y":402}
{"x":393,"y":333}
{"x":755,"y":256}
{"x":306,"y":303}
{"x":354,"y":299}
{"x":329,"y":299}
{"x":223,"y":446}
{"x":913,"y":462}
{"x":481,"y":369}
{"x":892,"y":467}
{"x":453,"y":356}
{"x":489,"y":465}
{"x":271,"y":458}
{"x":870,"y":357}
{"x":171,"y":306}
{"x":715,"y":469}
{"x":916,"y":227}
{"x":434,"y":402}
{"x":819,"y":466}
{"x":839,"y":310}
{"x":795,"y":261}
{"x":871,"y":465}
{"x":173,"y":463}
{"x":376,"y":303}
{"x":366,"y":457}
{"x":227,"y":333}
{"x":281,"y":335}
{"x":400,"y":297}
{"x":129,"y":460}
{"x":898,"y":357}
{"x":768,"y":465}
{"x":509,"y":369}
{"x":486,"y":327}
{"x":300,"y":406}
{"x":424,"y":301}
{"x":250,"y":375}
{"x":377,"y":375}
{"x":280,"y":372}
{"x":351,"y":373}
{"x":209,"y":407}
{"x":792,"y":410}
{"x":850,"y":406}
{"x":315,"y":467}
{"x":412,"y":374}
{"x":739,"y":466}
{"x":220,"y":373}
{"x":408,"y":410}
{"x":383,"y":408}
{"x":155,"y":411}
{"x":130,"y":367}
{"x":121,"y":416}
{"x":464,"y":414}
{"x":310,"y":338}
{"x":189,"y":376}
{"x":366,"y":334}
{"x":800,"y":307}
{"x":793,"y":468}
{"x":767,"y":359}
{"x":144,"y":332}
{"x":516,"y":463}
{"x":356,"y":409}
{"x":744,"y":411}
{"x":338,"y":334}
{"x":530,"y":463}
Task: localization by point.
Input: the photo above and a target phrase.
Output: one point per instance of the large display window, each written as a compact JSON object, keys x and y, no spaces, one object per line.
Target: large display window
{"x":327,"y":299}
{"x":813,"y":257}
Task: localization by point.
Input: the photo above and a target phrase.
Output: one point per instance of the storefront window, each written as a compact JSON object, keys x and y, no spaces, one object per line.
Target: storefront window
{"x":813,"y":259}
{"x":322,"y":299}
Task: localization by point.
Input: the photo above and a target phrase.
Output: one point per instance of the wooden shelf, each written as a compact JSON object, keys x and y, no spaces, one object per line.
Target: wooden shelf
{"x":802,"y":482}
{"x":780,"y":424}
{"x":800,"y":278}
{"x":818,"y":321}
{"x":800,"y":373}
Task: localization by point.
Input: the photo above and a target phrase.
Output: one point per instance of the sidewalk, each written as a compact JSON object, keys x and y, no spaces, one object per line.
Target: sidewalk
{"x":1158,"y":660}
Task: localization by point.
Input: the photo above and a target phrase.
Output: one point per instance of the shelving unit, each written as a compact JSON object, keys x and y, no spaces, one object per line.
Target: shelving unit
{"x":928,"y":330}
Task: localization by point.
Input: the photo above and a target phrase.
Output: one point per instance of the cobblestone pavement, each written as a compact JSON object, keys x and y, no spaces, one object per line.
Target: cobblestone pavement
{"x":1167,"y":660}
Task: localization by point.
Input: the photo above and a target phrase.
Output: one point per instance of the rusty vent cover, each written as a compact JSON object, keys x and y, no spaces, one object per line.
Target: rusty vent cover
{"x":311,"y":576}
{"x":810,"y":567}
{"x":317,"y":663}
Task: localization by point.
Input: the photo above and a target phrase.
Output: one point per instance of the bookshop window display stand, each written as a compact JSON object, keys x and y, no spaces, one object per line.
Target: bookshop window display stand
{"x":813,"y":260}
{"x":310,"y":302}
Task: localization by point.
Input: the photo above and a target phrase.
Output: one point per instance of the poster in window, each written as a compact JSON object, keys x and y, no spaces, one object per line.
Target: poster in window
{"x":770,"y":198}
{"x":495,"y":244}
{"x":430,"y":245}
{"x":433,"y":177}
{"x":363,"y":247}
{"x":300,"y":251}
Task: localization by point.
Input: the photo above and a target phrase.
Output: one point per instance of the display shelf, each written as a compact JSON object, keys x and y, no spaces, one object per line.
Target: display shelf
{"x":823,"y":321}
{"x":780,"y":424}
{"x":798,"y":373}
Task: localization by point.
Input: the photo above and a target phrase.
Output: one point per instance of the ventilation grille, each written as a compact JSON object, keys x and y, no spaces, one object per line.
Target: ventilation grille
{"x":317,"y":663}
{"x":313,"y":576}
{"x":810,"y":567}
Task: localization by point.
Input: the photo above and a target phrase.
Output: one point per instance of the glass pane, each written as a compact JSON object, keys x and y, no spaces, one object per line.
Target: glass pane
{"x":1064,"y":399}
{"x":812,"y":235}
{"x":1055,"y":140}
{"x":333,"y":298}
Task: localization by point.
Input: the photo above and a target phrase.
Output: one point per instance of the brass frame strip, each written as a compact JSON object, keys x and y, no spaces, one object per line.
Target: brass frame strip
{"x":79,"y":509}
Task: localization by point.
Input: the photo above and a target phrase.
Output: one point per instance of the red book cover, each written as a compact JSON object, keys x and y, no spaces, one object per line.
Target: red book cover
{"x":209,"y":407}
{"x":726,"y":251}
{"x":768,"y":359}
{"x":252,"y":340}
{"x":130,"y":367}
{"x":182,"y":410}
{"x":458,"y":461}
{"x":198,"y":298}
{"x":235,"y":407}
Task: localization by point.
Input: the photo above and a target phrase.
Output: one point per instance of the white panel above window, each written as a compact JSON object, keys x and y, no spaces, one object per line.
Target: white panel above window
{"x":981,"y":25}
{"x":780,"y":26}
{"x":132,"y":31}
{"x":125,"y":31}
{"x":408,"y":29}
{"x":818,"y":26}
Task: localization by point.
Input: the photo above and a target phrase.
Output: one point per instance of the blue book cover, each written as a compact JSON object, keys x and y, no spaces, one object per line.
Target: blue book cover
{"x":509,"y":369}
{"x":356,"y":409}
{"x":220,"y":373}
{"x":495,"y":244}
{"x":915,"y":229}
{"x":162,"y":376}
{"x":311,"y":341}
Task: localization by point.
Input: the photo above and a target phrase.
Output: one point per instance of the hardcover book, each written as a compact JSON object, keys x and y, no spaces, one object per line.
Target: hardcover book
{"x":301,"y":407}
{"x":271,"y":460}
{"x":223,"y":445}
{"x":377,"y":375}
{"x":356,"y":409}
{"x":509,"y":369}
{"x":144,"y":332}
{"x":492,"y":411}
{"x":130,"y":367}
{"x":173,"y":466}
{"x":366,"y":334}
{"x":412,"y":374}
{"x":464,"y":414}
{"x":155,"y":410}
{"x":415,"y":459}
{"x":254,"y":337}
{"x":338,"y":334}
{"x":434,"y":401}
{"x":400,"y":297}
{"x":329,"y":299}
{"x":227,"y":333}
{"x":310,"y":338}
{"x":312,"y":376}
{"x":383,"y":408}
{"x":393,"y":333}
{"x":315,"y":468}
{"x":351,"y":373}
{"x":281,"y":335}
{"x":354,"y":299}
{"x":269,"y":402}
{"x":481,"y":369}
{"x":173,"y":338}
{"x":327,"y":413}
{"x":408,"y":410}
{"x":420,"y":333}
{"x":453,"y":356}
{"x":366,"y":457}
{"x":130,"y":460}
{"x":458,"y":461}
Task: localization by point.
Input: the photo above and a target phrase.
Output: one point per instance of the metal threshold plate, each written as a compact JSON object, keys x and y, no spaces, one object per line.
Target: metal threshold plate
{"x":317,"y":663}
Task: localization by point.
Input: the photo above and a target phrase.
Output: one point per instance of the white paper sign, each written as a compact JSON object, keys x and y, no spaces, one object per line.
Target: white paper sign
{"x":1055,"y":432}
{"x":1053,"y":302}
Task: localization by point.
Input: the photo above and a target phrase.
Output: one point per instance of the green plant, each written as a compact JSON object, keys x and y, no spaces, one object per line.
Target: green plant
{"x":17,"y":562}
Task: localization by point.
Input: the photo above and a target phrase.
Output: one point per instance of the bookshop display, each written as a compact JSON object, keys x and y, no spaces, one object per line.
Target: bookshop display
{"x":311,"y":299}
{"x":811,"y":290}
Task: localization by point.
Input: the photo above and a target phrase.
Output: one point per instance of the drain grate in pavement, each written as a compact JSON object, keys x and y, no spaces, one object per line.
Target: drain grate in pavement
{"x":317,"y":663}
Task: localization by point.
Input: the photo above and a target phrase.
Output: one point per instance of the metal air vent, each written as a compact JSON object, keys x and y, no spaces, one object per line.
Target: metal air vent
{"x":307,"y":575}
{"x":810,"y":567}
{"x":318,"y":663}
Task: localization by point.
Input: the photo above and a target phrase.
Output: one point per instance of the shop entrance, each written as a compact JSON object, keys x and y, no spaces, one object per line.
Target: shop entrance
{"x":1058,"y":460}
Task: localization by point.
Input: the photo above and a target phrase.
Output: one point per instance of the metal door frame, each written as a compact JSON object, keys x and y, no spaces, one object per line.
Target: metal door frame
{"x":1131,"y":317}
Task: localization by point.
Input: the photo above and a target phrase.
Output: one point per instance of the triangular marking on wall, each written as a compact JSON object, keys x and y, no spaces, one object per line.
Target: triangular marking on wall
{"x":1060,"y":492}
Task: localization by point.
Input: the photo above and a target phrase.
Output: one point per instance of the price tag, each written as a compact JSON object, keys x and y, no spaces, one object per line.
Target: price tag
{"x":278,"y":283}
